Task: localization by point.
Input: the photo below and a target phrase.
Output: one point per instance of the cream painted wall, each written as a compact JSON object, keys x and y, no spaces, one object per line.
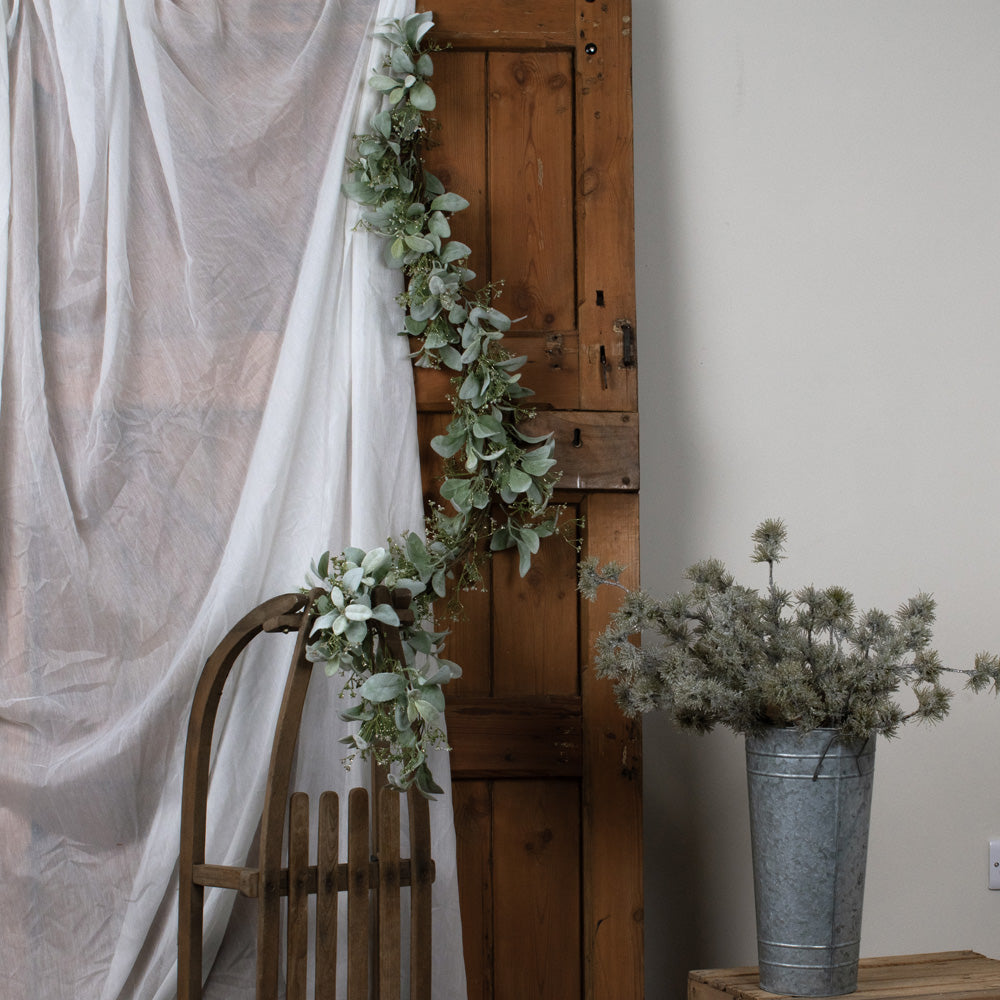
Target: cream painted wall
{"x":818,"y":237}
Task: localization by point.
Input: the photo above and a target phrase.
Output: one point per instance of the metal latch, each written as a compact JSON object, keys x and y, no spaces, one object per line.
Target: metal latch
{"x":626,"y":331}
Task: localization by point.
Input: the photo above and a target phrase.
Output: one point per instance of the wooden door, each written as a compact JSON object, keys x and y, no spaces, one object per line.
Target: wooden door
{"x":534,"y":102}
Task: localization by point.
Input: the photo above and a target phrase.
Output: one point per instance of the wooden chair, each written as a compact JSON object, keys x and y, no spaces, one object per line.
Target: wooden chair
{"x":371,"y":876}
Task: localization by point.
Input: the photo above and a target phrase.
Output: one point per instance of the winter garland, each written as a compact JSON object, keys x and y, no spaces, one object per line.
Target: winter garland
{"x":498,"y":480}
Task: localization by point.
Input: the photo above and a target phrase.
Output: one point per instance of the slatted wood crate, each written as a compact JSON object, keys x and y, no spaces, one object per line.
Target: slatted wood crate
{"x":371,"y":877}
{"x":950,"y":975}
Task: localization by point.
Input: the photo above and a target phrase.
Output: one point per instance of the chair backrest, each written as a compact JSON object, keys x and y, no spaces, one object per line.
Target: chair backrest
{"x":371,"y":876}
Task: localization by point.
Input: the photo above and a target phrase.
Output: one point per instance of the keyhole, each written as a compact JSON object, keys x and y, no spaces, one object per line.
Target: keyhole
{"x":577,"y":441}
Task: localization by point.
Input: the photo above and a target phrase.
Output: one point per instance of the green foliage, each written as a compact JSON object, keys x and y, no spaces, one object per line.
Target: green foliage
{"x":397,"y":705}
{"x":734,"y":656}
{"x":498,"y":480}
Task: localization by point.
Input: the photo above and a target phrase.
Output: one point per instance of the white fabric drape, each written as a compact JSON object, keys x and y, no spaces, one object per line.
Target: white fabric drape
{"x":201,"y":391}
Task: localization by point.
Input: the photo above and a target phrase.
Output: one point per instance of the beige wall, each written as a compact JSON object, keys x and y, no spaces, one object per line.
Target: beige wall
{"x":818,"y":205}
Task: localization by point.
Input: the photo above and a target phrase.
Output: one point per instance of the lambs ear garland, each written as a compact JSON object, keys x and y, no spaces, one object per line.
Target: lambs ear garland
{"x":500,"y":493}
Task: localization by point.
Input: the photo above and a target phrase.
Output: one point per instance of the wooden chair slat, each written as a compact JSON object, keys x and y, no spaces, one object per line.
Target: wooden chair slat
{"x":298,"y":897}
{"x":272,"y":821}
{"x":421,"y":876}
{"x":327,"y":895}
{"x":387,"y":982}
{"x":358,"y":910}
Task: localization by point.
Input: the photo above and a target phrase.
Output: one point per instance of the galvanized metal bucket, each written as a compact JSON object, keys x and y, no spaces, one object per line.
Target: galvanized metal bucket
{"x":810,"y":805}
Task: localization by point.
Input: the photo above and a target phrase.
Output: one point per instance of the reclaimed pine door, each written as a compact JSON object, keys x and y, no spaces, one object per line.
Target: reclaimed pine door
{"x":534,"y":103}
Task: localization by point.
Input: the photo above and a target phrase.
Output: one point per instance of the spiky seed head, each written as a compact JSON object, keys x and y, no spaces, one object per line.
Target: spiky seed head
{"x":769,"y":541}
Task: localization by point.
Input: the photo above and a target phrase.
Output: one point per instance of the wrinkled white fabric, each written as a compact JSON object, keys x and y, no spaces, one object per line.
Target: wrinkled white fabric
{"x":201,"y":391}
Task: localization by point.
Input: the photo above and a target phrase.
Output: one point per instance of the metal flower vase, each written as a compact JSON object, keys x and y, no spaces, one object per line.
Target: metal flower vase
{"x":810,"y":805}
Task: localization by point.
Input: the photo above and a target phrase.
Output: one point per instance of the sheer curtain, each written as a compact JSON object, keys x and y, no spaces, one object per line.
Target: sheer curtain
{"x":201,"y":391}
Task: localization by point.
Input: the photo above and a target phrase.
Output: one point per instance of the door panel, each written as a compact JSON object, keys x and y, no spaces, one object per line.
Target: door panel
{"x":534,"y":104}
{"x":534,"y":624}
{"x":460,"y":163}
{"x":531,"y":176}
{"x":536,"y":845}
{"x":473,"y":804}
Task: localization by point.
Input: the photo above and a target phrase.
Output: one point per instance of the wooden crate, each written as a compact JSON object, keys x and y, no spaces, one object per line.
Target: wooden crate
{"x":949,"y":975}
